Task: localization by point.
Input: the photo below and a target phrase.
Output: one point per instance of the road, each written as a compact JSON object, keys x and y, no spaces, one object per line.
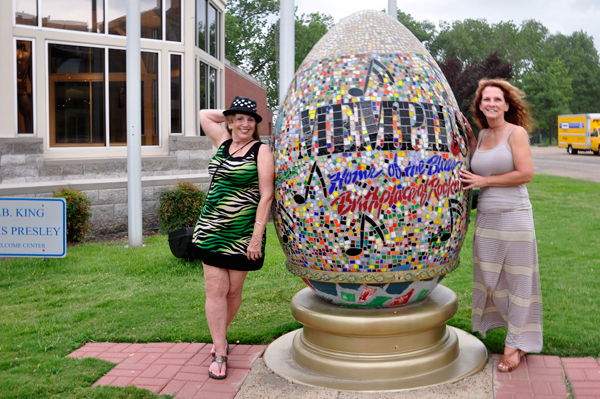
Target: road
{"x":556,"y":161}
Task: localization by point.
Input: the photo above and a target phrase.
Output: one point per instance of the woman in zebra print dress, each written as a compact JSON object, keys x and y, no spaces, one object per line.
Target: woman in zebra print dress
{"x":230,"y":232}
{"x":506,"y":279}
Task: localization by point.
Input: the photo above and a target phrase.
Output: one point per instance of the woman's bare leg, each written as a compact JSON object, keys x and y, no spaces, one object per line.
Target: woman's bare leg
{"x":234,"y":295}
{"x":223,"y":299}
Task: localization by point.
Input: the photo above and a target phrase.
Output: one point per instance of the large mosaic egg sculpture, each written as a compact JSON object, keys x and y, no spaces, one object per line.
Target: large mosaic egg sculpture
{"x":369,"y":207}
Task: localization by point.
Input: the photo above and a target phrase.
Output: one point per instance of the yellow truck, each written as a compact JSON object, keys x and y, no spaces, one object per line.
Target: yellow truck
{"x":579,"y":133}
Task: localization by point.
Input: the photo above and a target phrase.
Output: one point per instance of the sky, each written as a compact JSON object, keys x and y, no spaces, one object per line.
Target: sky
{"x":564,"y":16}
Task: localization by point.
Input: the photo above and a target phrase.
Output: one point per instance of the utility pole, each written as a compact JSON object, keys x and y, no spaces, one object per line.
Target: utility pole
{"x":134,"y":123}
{"x":392,"y":9}
{"x":286,"y":47}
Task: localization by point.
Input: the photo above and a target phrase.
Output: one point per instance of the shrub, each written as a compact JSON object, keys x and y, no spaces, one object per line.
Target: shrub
{"x":180,"y":206}
{"x":78,"y":212}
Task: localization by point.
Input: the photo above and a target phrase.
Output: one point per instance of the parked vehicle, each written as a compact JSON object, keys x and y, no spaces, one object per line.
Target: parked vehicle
{"x":579,"y":133}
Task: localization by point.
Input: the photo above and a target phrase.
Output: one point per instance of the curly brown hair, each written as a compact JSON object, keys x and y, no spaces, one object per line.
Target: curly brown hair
{"x":231,"y":119}
{"x":518,"y":110}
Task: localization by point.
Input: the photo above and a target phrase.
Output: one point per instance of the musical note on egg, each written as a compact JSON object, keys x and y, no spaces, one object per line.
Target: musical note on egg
{"x":355,"y":251}
{"x":288,"y":230}
{"x":457,"y":209}
{"x":301,"y":199}
{"x":373,"y":65}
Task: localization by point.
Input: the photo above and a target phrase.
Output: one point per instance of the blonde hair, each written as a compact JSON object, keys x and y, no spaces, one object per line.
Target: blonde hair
{"x":231,"y":119}
{"x":518,"y":110}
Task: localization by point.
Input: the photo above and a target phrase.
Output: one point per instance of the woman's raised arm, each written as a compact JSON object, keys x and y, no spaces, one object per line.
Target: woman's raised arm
{"x":210,"y":120}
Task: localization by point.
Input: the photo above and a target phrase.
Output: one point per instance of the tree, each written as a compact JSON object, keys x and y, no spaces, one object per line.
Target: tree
{"x":468,"y":41}
{"x":252,"y":39}
{"x":464,"y":80}
{"x":472,"y":40}
{"x":309,"y":30}
{"x":579,"y":56}
{"x":423,"y":30}
{"x":549,"y":92}
{"x":246,"y":25}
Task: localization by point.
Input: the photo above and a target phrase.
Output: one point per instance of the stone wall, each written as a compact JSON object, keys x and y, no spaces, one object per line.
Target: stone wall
{"x":22,"y":161}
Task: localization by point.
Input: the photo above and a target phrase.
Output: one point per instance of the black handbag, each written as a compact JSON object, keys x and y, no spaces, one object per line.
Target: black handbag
{"x":474,"y":198}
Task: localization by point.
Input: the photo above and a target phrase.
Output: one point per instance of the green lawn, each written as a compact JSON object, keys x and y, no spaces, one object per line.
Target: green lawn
{"x":106,"y":292}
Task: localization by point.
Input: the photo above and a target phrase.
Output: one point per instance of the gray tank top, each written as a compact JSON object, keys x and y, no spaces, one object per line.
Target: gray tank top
{"x":497,"y":161}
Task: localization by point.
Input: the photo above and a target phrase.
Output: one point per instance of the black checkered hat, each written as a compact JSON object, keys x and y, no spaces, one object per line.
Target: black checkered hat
{"x":243,"y":105}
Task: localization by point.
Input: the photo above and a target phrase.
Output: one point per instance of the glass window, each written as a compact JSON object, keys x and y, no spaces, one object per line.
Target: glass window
{"x":202,"y":85}
{"x":208,"y":27}
{"x":80,"y":15}
{"x":196,"y":101}
{"x":76,"y":94}
{"x":151,"y":19}
{"x":212,"y":31}
{"x":202,"y":89}
{"x":207,"y":87}
{"x":212,"y":87}
{"x":201,"y":24}
{"x":24,"y":86}
{"x":173,"y":16}
{"x":26,"y":12}
{"x":116,"y":11}
{"x":149,"y":98}
{"x":117,"y":96}
{"x":176,"y":109}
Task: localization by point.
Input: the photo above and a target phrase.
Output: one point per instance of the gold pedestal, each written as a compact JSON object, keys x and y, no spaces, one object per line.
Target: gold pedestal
{"x":390,"y":349}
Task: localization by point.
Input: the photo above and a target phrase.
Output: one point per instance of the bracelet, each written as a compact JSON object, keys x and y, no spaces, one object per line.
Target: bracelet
{"x":260,"y":224}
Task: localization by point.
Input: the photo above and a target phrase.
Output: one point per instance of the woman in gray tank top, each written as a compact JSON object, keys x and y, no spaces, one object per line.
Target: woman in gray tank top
{"x":506,"y":280}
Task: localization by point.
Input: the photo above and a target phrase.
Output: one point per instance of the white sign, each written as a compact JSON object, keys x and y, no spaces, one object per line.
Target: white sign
{"x":34,"y":227}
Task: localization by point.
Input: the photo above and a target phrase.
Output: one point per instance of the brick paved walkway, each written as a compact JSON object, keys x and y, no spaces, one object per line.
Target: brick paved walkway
{"x":172,"y":368}
{"x":182,"y":369}
{"x":584,"y":377}
{"x":546,"y":377}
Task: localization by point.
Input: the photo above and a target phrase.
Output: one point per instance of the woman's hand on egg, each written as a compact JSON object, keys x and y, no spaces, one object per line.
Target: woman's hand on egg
{"x":254,"y":249}
{"x":470,"y":180}
{"x":467,"y":126}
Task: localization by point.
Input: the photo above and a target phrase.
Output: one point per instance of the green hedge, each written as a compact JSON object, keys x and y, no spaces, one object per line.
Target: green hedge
{"x":180,"y":207}
{"x":78,"y":212}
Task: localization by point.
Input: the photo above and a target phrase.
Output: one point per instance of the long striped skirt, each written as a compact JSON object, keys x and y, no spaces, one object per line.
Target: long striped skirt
{"x":506,"y":279}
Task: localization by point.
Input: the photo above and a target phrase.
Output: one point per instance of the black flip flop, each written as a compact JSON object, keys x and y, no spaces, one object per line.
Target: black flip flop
{"x":219,"y":360}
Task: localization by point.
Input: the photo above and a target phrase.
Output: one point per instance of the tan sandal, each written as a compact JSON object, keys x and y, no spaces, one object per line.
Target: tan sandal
{"x":508,"y":365}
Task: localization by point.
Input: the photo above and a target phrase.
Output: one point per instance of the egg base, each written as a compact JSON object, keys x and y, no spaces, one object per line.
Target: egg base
{"x":392,"y":349}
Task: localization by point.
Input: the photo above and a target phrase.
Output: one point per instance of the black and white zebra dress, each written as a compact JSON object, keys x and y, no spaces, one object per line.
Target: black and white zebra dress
{"x":225,"y":226}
